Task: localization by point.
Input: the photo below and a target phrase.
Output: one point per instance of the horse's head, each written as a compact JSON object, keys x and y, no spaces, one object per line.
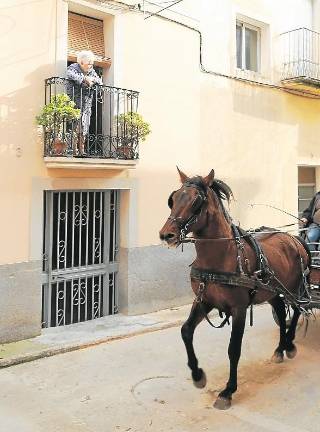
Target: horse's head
{"x":188,"y":205}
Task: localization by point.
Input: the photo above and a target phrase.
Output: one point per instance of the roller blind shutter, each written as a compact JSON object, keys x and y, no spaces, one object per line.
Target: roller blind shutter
{"x":86,"y":34}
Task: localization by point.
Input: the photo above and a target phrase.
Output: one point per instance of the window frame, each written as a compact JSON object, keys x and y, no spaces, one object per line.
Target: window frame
{"x":244,"y":25}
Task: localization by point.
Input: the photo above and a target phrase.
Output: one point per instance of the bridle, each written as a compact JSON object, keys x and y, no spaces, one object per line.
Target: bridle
{"x":193,"y":219}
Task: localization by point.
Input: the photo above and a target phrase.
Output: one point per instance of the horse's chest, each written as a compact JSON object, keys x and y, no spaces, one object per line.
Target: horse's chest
{"x":219,"y":296}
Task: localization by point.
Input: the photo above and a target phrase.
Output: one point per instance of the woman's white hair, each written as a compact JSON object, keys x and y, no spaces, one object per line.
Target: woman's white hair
{"x":85,"y":55}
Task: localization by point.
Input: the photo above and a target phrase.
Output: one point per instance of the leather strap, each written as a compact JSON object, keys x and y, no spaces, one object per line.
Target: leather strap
{"x":230,"y":279}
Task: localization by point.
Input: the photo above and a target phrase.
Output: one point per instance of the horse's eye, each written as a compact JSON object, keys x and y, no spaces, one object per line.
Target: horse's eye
{"x":170,"y":200}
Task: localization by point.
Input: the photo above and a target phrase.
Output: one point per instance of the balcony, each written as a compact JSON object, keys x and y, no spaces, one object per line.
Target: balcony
{"x":103,"y":134}
{"x":301,"y":60}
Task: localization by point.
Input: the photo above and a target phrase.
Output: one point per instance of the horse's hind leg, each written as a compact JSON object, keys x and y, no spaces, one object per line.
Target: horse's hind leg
{"x":280,"y":309}
{"x":187,"y":331}
{"x":291,"y":349}
{"x":238,"y":323}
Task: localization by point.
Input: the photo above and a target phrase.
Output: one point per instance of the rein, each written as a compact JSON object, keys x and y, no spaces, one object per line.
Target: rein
{"x":249,"y":233}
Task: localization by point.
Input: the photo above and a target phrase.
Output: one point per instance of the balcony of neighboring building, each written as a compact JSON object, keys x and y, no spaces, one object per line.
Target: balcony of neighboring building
{"x":300,"y":67}
{"x":102,"y":132}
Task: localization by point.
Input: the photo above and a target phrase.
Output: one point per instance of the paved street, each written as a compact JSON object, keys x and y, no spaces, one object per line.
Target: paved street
{"x":142,"y":384}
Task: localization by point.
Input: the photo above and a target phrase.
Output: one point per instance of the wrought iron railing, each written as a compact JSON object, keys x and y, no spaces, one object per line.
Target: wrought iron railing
{"x":301,"y":55}
{"x":105,"y":127}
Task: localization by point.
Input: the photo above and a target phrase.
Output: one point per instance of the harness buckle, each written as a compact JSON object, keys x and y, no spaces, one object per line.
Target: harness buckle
{"x":257,"y":274}
{"x":201,"y":290}
{"x":182,"y":234}
{"x":239,"y":242}
{"x":262,"y":258}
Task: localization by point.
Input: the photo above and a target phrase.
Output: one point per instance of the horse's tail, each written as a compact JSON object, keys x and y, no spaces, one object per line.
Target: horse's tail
{"x":305,"y":273}
{"x":306,"y":248}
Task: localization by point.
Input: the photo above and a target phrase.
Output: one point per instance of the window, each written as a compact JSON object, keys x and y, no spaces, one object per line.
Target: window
{"x":306,"y":187}
{"x":305,"y":195}
{"x":248,"y":47}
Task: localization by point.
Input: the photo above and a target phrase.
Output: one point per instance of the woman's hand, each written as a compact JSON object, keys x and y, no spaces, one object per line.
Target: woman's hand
{"x":89,"y":81}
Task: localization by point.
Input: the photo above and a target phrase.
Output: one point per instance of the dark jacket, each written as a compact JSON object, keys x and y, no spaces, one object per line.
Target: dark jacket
{"x":310,"y":210}
{"x":81,"y":93}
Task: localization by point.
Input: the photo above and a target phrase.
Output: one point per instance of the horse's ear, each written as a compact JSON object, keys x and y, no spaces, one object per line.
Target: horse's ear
{"x":183,"y":176}
{"x":209,"y":179}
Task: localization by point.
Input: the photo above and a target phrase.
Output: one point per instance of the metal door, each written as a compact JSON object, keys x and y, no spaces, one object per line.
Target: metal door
{"x":81,"y":230}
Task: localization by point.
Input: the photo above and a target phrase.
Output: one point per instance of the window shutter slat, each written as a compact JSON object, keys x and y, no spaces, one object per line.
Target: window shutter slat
{"x":85,"y":34}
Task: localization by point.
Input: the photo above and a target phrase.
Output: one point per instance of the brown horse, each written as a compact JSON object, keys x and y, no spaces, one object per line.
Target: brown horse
{"x":225,"y":267}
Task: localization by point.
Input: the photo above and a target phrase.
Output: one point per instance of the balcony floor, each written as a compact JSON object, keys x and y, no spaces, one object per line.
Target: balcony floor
{"x":89,"y":163}
{"x":303,"y":83}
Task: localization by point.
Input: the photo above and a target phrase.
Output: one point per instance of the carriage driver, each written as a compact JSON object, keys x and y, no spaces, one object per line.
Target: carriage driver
{"x":311,"y":219}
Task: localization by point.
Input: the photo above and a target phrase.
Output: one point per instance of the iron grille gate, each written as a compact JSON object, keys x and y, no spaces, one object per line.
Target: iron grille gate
{"x":81,"y":230}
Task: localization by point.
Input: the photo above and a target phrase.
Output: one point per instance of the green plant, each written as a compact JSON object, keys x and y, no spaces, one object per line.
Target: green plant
{"x":132,"y":125}
{"x":60,"y":109}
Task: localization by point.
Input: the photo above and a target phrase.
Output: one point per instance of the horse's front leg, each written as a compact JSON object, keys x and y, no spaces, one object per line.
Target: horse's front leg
{"x":234,"y":351}
{"x":187,"y":331}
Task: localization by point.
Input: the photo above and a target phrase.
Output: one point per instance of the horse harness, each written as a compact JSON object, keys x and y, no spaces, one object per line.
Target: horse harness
{"x":260,"y":279}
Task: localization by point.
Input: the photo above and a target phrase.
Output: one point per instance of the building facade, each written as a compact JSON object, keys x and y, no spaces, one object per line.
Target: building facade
{"x":231,"y":85}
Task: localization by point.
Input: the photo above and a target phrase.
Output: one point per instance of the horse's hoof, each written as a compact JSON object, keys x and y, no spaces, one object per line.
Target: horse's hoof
{"x":277,"y":358}
{"x":222,"y":403}
{"x":201,"y":383}
{"x":292,"y":353}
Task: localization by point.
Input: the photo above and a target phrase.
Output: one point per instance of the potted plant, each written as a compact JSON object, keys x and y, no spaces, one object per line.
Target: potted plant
{"x":131,"y":128}
{"x":54,"y":117}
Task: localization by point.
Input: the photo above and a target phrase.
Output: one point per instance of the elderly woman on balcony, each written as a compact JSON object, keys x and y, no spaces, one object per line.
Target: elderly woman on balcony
{"x":82,"y":79}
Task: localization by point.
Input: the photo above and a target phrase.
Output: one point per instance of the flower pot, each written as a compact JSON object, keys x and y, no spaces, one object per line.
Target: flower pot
{"x":125,"y":151}
{"x":58,"y":146}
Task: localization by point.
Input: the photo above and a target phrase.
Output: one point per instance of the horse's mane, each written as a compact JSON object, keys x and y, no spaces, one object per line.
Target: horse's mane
{"x":222,"y":190}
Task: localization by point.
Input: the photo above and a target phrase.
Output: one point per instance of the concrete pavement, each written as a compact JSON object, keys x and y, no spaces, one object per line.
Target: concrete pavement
{"x":59,"y":340}
{"x":142,"y":383}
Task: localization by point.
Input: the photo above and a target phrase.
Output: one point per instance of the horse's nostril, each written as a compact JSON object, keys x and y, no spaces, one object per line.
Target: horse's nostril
{"x":169,"y":236}
{"x":166,"y":236}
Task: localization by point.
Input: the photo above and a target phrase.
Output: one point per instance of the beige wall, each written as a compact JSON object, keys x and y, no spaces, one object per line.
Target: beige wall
{"x":253,"y":137}
{"x":27,"y":47}
{"x":163,"y":66}
{"x":316,"y":15}
{"x":254,"y":141}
